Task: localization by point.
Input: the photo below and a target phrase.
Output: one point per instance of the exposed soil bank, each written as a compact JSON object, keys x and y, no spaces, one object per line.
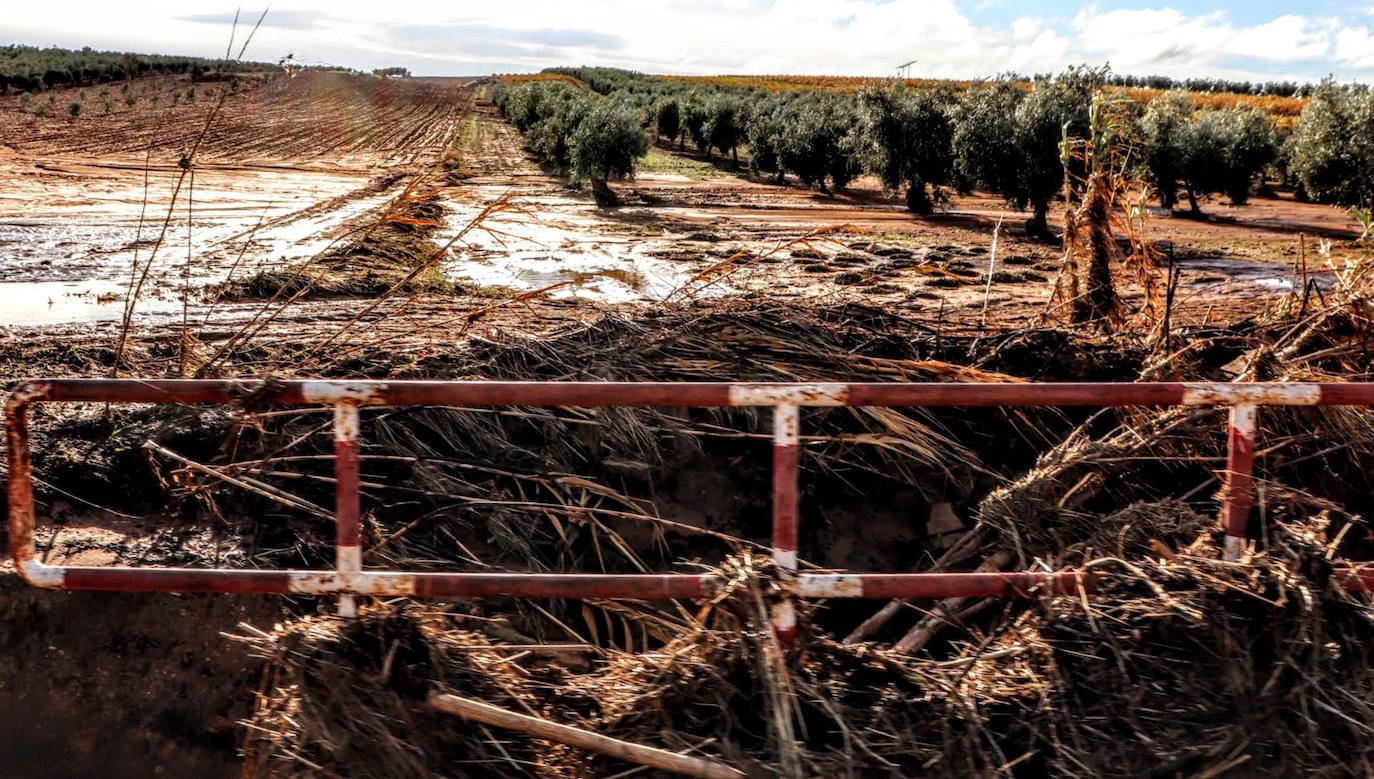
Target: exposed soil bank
{"x":121,"y":684}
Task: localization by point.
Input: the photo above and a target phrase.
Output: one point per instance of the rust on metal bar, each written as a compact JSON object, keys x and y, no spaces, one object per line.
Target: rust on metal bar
{"x":764,"y":394}
{"x":20,"y":485}
{"x":348,"y":578}
{"x":786,"y":437}
{"x":442,"y":585}
{"x":1358,"y":579}
{"x":705,"y":394}
{"x":347,"y":501}
{"x":1270,"y":394}
{"x":943,"y":585}
{"x":1238,"y":491}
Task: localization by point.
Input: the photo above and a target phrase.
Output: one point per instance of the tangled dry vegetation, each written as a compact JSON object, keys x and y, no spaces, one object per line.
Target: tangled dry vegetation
{"x":1182,"y":665}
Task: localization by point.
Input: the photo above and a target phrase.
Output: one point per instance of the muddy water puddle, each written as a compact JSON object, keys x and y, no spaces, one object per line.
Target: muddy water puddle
{"x":76,"y":267}
{"x":568,"y":245}
{"x":1259,"y":277}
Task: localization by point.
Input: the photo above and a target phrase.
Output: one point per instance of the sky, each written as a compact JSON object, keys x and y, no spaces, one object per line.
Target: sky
{"x":1244,"y":39}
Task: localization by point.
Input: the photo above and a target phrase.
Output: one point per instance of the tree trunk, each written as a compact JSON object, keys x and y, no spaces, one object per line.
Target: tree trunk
{"x":602,"y":194}
{"x":1039,"y":223}
{"x":682,"y":142}
{"x":917,"y":201}
{"x":1168,"y":196}
{"x":1192,"y":201}
{"x":734,"y":154}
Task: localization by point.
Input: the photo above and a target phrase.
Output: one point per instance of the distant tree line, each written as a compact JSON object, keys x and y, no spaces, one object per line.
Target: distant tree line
{"x":33,"y":69}
{"x":393,"y":71}
{"x":1282,"y":88}
{"x":1004,"y":136}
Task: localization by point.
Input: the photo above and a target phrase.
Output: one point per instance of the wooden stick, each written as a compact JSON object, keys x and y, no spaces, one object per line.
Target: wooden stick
{"x":888,"y":611}
{"x":582,"y":739}
{"x":244,"y":483}
{"x":941,"y":615}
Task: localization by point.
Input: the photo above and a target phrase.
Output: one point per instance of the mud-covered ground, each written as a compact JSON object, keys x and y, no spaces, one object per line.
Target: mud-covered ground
{"x":287,"y":249}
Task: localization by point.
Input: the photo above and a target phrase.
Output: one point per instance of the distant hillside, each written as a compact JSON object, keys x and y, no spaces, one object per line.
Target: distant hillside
{"x":31,"y":69}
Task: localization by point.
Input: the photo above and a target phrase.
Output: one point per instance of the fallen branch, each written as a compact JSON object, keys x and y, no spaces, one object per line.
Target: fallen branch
{"x":941,"y":615}
{"x":582,"y":739}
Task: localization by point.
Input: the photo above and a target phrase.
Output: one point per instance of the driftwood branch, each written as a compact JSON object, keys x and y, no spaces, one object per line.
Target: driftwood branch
{"x":944,"y":613}
{"x":653,"y":757}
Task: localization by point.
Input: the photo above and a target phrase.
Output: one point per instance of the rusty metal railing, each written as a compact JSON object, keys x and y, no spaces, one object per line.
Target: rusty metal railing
{"x":349,"y":579}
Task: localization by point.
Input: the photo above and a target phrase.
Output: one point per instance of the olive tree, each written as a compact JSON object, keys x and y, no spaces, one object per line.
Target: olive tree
{"x":1165,"y":130}
{"x":694,"y":116}
{"x":1332,"y":149}
{"x":1225,"y":150}
{"x":763,"y":134}
{"x":1010,"y":141}
{"x":984,"y":145}
{"x":904,"y":138}
{"x":815,"y":143}
{"x":1054,"y":110}
{"x":724,"y":126}
{"x":606,"y":145}
{"x":668,"y":119}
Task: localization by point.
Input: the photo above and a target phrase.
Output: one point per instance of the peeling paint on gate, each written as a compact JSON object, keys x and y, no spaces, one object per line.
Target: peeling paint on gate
{"x":349,"y":579}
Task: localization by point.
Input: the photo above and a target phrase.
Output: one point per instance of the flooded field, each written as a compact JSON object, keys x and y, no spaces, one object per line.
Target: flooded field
{"x":98,"y":209}
{"x":346,"y":227}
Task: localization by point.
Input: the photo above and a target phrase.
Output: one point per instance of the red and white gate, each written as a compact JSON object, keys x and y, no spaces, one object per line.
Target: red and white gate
{"x":349,"y":578}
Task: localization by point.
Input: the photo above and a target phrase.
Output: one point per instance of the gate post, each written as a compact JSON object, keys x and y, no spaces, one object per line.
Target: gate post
{"x":347,"y":503}
{"x":1238,"y":492}
{"x":786,"y":439}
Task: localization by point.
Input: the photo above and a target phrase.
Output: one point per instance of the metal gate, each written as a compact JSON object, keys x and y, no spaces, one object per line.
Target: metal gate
{"x":349,"y":578}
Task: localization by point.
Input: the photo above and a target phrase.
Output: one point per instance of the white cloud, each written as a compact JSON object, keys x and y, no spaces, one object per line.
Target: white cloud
{"x":712,"y":36}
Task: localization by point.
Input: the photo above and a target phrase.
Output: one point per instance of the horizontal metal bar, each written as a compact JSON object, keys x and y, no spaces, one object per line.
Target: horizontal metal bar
{"x":942,"y":585}
{"x":376,"y":583}
{"x":704,"y":394}
{"x":577,"y":586}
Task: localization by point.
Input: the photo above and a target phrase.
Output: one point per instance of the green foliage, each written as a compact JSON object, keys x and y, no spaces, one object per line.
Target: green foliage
{"x":1010,"y":142}
{"x":33,"y":69}
{"x":1332,"y":150}
{"x":393,"y":71}
{"x":724,"y":126}
{"x":667,"y":119}
{"x":1166,"y":133}
{"x":763,"y":136}
{"x":815,"y":143}
{"x":1229,"y":147}
{"x":984,"y":140}
{"x":591,"y":137}
{"x":1055,"y":109}
{"x":694,"y":116}
{"x":905,"y":138}
{"x":74,"y":109}
{"x":607,"y":143}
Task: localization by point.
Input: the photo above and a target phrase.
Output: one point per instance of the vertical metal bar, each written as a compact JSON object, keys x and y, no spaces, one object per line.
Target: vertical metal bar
{"x":1238,"y":494}
{"x":785,"y":443}
{"x":348,"y":506}
{"x":20,"y":484}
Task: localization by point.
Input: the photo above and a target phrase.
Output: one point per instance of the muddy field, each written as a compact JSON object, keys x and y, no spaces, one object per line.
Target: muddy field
{"x":396,"y":228}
